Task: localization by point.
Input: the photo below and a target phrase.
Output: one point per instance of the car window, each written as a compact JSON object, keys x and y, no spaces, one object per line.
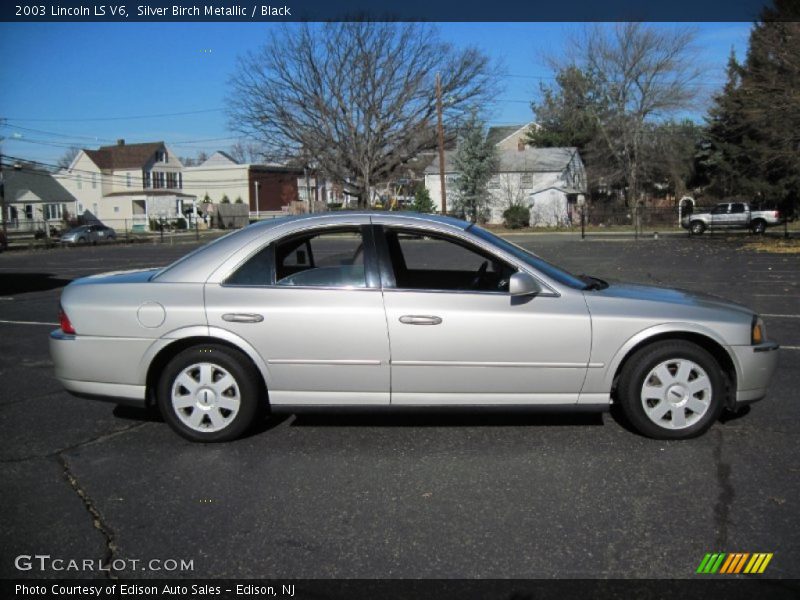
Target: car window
{"x":257,"y":270}
{"x":737,"y":208}
{"x":720,"y":209}
{"x":428,"y":261}
{"x":333,"y":258}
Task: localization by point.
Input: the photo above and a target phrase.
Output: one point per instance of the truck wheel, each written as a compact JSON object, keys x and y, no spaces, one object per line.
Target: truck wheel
{"x":697,"y":227}
{"x":758,"y":227}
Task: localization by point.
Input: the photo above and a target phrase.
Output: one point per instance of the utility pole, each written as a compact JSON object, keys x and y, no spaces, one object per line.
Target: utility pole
{"x":308,"y":190}
{"x":441,"y":143}
{"x":3,"y":201}
{"x":258,"y":208}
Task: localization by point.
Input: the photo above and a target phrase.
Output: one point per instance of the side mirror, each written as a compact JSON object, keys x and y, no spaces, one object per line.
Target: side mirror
{"x":522,"y":284}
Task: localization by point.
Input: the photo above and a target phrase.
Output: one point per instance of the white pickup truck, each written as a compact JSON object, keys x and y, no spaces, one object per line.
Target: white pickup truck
{"x":731,"y":215}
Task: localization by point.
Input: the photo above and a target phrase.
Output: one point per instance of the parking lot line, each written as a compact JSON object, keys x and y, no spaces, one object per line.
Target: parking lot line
{"x":781,"y":316}
{"x":28,"y":323}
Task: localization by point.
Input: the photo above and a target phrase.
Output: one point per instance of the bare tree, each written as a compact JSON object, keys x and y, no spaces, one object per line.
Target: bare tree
{"x":639,"y":75}
{"x":246,"y":152}
{"x":69,"y":155}
{"x":355,"y":100}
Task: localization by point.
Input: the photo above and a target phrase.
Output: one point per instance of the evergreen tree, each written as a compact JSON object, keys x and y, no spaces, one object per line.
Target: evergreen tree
{"x":475,"y":161}
{"x":753,"y":147}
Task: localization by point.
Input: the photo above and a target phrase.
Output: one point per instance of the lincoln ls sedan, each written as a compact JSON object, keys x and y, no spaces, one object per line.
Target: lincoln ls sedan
{"x":395,"y":311}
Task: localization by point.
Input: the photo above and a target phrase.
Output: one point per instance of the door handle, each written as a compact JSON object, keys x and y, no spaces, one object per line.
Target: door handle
{"x":420,"y":320}
{"x":242,"y":317}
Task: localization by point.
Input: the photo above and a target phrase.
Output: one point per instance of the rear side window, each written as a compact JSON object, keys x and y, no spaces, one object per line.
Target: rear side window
{"x":322,"y":259}
{"x":737,"y":208}
{"x":256,"y":271}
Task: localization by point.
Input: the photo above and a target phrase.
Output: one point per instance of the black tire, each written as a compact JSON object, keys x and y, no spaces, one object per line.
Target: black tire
{"x":640,"y":365}
{"x":82,"y":241}
{"x":758,"y":227}
{"x":251,"y":395}
{"x":697,"y":227}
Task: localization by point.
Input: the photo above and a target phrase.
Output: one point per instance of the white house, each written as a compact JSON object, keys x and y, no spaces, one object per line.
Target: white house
{"x":550,"y":181}
{"x":126,"y":185}
{"x":33,"y":196}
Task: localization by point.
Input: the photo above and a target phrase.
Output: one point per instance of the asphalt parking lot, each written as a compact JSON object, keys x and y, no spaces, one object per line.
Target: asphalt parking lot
{"x":516,"y":496}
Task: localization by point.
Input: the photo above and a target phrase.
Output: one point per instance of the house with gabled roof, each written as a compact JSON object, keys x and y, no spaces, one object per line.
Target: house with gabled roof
{"x":127,"y":185}
{"x":551,"y":182}
{"x":34,"y":197}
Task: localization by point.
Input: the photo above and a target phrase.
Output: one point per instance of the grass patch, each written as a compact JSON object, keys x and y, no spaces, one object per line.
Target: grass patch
{"x":775,"y":245}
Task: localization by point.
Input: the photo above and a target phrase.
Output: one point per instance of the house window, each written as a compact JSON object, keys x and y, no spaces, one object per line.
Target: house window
{"x":172,"y":180}
{"x":94,"y":181}
{"x":128,"y":180}
{"x":146,"y":179}
{"x":180,"y":181}
{"x":53,"y":211}
{"x":29,"y":212}
{"x":116,"y":209}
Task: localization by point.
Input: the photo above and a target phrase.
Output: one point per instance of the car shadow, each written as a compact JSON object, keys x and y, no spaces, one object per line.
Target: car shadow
{"x":23,"y":283}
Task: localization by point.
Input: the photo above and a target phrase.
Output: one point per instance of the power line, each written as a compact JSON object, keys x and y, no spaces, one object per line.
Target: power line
{"x":87,"y":119}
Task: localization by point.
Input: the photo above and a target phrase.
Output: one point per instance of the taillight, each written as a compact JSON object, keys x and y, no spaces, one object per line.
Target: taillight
{"x":777,"y":214}
{"x":63,"y":321}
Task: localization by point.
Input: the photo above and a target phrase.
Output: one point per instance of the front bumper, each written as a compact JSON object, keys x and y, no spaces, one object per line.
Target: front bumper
{"x":756,"y":365}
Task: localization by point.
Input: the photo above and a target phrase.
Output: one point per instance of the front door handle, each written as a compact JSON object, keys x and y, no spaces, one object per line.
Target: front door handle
{"x":242,"y":317}
{"x":420,"y":320}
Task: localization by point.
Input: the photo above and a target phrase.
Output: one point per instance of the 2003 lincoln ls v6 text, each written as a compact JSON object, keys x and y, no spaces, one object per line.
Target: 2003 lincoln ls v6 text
{"x":387,"y":310}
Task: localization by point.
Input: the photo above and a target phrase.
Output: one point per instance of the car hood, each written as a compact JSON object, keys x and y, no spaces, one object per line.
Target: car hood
{"x":130,"y":276}
{"x":667,"y":296}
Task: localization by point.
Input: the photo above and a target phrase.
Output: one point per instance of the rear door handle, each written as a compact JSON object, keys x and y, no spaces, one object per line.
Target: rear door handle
{"x":242,"y":317}
{"x":420,"y":320}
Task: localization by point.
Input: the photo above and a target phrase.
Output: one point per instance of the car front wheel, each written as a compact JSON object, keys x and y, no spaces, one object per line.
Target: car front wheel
{"x":209,"y":393}
{"x":671,"y":390}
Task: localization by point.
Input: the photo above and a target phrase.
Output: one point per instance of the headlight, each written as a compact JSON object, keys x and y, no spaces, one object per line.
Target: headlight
{"x":758,"y":331}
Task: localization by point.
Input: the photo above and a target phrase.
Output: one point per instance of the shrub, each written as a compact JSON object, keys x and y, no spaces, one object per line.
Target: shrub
{"x":239,"y":200}
{"x":422,"y":201}
{"x":225,"y":200}
{"x":517,"y":216}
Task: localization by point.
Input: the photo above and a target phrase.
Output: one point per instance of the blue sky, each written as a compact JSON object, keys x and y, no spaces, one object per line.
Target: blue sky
{"x":84,"y":81}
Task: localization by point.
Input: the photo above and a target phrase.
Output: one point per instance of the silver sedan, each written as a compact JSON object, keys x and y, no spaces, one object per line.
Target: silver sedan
{"x":386,"y":310}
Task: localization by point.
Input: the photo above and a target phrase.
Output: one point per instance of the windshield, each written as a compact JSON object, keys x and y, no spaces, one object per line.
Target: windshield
{"x":541,"y":265}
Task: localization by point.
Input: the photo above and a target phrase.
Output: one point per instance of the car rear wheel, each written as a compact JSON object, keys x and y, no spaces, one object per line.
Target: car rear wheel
{"x":671,"y":390}
{"x":209,"y":393}
{"x":697,"y":227}
{"x":758,"y":227}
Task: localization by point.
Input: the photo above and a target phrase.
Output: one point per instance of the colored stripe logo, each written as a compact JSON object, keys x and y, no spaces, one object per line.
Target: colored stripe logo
{"x":732,"y":563}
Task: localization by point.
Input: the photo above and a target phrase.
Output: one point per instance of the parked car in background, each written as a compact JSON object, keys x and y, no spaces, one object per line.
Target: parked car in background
{"x":88,"y":234}
{"x":3,"y":241}
{"x":399,"y":310}
{"x":731,"y":215}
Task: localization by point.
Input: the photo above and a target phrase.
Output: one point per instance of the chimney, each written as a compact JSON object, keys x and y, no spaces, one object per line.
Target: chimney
{"x":520,"y":145}
{"x":120,"y":142}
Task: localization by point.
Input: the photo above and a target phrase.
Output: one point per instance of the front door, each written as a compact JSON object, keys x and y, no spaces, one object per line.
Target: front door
{"x":311,"y":306}
{"x":458,"y":338}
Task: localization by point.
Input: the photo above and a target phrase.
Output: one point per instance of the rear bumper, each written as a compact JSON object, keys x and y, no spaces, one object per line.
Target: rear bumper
{"x":119,"y":393}
{"x":756,"y":365}
{"x":83,"y":365}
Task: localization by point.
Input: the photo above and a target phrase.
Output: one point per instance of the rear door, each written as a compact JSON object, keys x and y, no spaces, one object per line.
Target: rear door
{"x":457,"y":336}
{"x":310,"y":304}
